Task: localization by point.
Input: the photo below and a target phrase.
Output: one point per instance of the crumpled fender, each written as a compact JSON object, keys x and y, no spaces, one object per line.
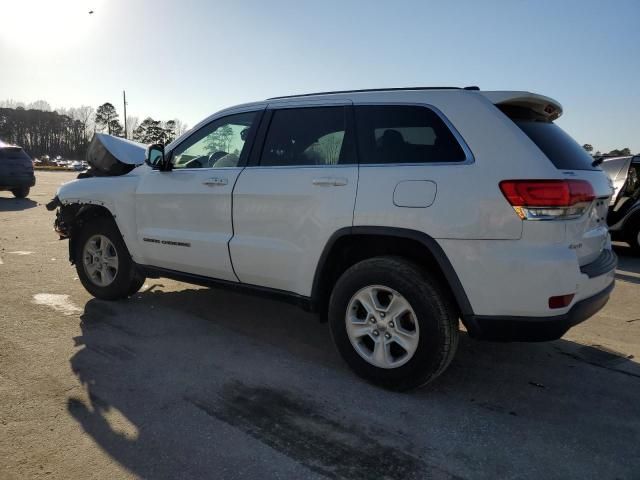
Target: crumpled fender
{"x":116,"y":194}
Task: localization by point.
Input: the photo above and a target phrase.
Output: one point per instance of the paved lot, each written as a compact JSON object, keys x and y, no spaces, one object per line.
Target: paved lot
{"x":185,"y":382}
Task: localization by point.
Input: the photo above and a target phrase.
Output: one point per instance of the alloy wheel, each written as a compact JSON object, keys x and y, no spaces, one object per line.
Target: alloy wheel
{"x":382,"y":326}
{"x":100,"y":260}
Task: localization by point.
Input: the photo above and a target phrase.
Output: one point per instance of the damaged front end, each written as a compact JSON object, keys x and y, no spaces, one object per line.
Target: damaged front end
{"x":110,"y":156}
{"x":65,"y":217}
{"x":70,"y":218}
{"x":94,"y":192}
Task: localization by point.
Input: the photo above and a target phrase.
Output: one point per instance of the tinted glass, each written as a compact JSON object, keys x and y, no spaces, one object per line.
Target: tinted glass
{"x":563,"y":151}
{"x":13,"y":153}
{"x":307,"y":136}
{"x":404,"y":134}
{"x":219,"y":144}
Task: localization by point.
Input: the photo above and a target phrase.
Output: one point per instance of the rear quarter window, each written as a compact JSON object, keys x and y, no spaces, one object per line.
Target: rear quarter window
{"x":390,"y":134}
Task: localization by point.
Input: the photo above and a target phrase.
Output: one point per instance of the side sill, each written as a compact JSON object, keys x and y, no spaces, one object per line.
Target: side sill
{"x":275,"y":294}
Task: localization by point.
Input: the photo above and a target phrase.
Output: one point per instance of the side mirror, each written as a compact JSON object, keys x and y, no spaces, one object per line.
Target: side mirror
{"x":155,"y":157}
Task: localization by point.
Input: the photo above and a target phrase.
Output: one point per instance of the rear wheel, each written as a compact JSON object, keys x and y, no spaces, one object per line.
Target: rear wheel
{"x":393,"y":323}
{"x":103,"y":263}
{"x":21,"y":192}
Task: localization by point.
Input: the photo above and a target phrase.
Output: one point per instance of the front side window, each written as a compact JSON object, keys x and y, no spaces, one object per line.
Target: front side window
{"x":220,"y":144}
{"x":404,"y":134}
{"x":313,"y":136}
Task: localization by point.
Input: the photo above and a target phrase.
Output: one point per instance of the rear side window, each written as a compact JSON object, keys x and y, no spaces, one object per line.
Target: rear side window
{"x":404,"y":134}
{"x":313,"y":136}
{"x":563,"y":151}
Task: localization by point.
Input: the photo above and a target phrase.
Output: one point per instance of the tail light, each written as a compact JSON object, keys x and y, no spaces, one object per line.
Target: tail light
{"x":548,"y":199}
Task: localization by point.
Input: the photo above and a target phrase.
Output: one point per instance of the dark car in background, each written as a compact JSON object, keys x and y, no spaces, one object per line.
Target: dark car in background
{"x":16,"y":170}
{"x":624,"y":211}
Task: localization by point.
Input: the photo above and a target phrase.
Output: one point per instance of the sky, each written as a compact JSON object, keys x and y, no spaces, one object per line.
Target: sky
{"x":187,"y":59}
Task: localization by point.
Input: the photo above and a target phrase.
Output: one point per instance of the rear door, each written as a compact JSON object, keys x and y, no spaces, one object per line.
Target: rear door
{"x":298,"y":190}
{"x":589,"y":234}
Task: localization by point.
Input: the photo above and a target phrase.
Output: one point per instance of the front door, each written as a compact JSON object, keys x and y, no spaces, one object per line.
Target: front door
{"x":183,"y":216}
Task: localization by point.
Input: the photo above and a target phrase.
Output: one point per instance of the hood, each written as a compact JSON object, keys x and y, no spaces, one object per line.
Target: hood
{"x":109,"y":155}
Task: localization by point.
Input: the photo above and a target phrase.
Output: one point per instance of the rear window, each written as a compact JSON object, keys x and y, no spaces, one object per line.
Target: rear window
{"x":563,"y":151}
{"x":13,"y":153}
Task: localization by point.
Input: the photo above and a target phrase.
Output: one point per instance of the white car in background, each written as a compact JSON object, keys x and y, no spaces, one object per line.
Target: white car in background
{"x":393,"y":213}
{"x":75,"y":165}
{"x":624,"y":210}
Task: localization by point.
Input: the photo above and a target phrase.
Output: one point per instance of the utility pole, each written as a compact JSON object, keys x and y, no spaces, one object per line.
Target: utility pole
{"x":124,"y":100}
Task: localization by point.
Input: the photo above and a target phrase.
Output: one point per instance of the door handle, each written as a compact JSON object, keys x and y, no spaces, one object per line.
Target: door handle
{"x":215,"y":182}
{"x":330,"y":181}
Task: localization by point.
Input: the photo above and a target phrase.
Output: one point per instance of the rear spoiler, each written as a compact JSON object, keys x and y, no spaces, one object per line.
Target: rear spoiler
{"x":548,"y":107}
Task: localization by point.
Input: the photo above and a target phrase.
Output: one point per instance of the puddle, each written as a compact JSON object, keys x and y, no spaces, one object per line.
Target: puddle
{"x":21,"y":252}
{"x":58,"y":302}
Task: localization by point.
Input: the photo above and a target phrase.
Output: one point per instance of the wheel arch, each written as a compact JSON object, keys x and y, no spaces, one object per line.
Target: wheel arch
{"x":72,"y":216}
{"x":349,"y":245}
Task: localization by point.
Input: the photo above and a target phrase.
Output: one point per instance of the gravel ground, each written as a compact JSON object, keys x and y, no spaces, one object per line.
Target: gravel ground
{"x":186,"y":382}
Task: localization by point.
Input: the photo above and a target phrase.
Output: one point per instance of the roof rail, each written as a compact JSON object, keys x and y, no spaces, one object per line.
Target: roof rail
{"x":373,"y":90}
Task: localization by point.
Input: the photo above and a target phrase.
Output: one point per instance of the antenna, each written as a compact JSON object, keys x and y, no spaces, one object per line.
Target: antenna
{"x":124,"y":100}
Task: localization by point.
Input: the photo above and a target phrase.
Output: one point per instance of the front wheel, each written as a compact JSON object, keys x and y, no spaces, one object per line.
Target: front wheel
{"x":103,"y":263}
{"x":393,"y":323}
{"x":21,"y":192}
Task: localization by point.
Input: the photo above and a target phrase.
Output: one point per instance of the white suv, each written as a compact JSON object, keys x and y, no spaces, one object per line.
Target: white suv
{"x":392,"y":213}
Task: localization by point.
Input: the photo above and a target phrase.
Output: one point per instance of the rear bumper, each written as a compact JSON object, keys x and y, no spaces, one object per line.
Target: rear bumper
{"x":15,"y":181}
{"x":535,"y":329}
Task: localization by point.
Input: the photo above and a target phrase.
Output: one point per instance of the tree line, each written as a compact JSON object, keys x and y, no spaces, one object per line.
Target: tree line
{"x":67,"y":132}
{"x":616,"y":152}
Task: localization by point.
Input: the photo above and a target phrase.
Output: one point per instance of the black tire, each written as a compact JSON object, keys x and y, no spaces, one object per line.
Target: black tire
{"x":434,"y":310}
{"x":128,"y":278}
{"x":21,"y":192}
{"x":632,"y":234}
{"x":137,"y":282}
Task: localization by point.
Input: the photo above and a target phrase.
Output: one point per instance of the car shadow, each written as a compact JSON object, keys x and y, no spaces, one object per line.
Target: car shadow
{"x":16,"y":204}
{"x":206,"y":383}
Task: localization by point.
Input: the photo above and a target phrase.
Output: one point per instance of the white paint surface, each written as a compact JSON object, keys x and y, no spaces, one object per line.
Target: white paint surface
{"x":58,"y":302}
{"x":21,"y":252}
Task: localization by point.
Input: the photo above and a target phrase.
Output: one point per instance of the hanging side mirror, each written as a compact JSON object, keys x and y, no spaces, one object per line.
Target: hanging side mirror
{"x":155,"y":157}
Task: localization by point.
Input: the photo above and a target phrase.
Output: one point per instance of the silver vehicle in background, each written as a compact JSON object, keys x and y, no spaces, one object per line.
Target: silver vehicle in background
{"x":624,"y":210}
